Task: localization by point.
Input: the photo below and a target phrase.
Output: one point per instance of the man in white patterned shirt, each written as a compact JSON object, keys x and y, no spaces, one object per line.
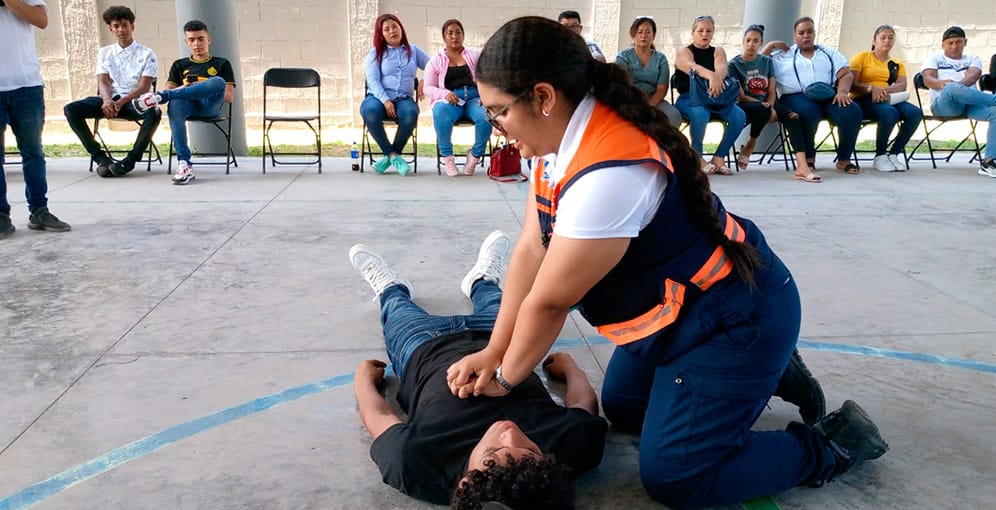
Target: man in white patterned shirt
{"x":125,"y":70}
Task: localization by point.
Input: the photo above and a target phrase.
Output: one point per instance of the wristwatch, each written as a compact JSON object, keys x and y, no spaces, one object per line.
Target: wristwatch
{"x":501,"y":380}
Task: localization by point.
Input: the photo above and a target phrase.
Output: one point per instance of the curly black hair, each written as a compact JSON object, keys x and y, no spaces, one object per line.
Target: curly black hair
{"x":522,"y":484}
{"x":117,"y":13}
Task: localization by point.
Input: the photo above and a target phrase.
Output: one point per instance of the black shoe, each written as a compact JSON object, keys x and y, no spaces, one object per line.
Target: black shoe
{"x":119,"y":168}
{"x":851,"y":436}
{"x":798,"y":386}
{"x":6,"y":227}
{"x":103,"y":163}
{"x":42,"y":219}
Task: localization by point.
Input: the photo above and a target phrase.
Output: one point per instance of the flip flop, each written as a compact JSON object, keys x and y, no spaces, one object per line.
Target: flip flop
{"x":742,"y":160}
{"x":709,"y":169}
{"x":723,"y":170}
{"x":809,"y":178}
{"x":850,"y":169}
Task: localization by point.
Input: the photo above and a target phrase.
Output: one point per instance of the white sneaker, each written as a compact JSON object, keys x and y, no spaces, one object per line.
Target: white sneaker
{"x":492,"y":259}
{"x":882,"y":164}
{"x":184,"y":172}
{"x":897,"y":162}
{"x":471,"y":164}
{"x":145,"y":102}
{"x":988,"y":168}
{"x":375,"y":270}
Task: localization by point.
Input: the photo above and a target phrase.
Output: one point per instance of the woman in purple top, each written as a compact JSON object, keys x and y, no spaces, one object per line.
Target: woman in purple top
{"x":391,"y":92}
{"x":450,"y":82}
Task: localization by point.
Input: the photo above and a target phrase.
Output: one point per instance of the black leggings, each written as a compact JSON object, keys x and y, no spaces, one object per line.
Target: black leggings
{"x":757,"y":116}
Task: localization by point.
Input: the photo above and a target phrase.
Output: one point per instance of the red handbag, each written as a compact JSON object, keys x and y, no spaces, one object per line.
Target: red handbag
{"x":506,"y":164}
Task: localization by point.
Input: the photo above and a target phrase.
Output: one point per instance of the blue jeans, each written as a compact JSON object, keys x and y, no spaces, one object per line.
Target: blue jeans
{"x":202,"y":99}
{"x":699,"y":117}
{"x":407,"y":326}
{"x":24,"y":110}
{"x":695,"y":412}
{"x":887,"y":116}
{"x":444,"y":115}
{"x":956,"y":100}
{"x":373,"y":113}
{"x":847,"y":119}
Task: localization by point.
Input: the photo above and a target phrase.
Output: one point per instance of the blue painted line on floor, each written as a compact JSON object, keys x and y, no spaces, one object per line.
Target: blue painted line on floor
{"x":110,"y":460}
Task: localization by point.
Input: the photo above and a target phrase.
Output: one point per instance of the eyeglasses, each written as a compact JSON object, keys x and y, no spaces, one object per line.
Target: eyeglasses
{"x":493,"y":117}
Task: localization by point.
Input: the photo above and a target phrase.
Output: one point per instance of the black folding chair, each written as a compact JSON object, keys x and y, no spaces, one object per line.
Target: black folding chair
{"x":481,"y":163}
{"x":970,"y":140}
{"x":292,"y":78}
{"x":126,"y":123}
{"x":223,"y":123}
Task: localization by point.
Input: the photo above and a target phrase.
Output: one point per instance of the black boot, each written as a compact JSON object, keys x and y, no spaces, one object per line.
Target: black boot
{"x":798,"y":386}
{"x":851,"y":436}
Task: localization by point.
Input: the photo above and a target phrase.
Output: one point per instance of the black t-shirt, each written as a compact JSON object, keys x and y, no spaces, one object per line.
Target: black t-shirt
{"x":425,"y":457}
{"x":458,"y":77}
{"x":187,"y":69}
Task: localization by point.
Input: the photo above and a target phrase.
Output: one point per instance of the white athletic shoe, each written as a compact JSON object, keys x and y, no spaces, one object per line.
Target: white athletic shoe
{"x":184,"y":172}
{"x":492,"y":259}
{"x":897,"y":162}
{"x":375,"y":270}
{"x":882,"y":164}
{"x":147,"y":101}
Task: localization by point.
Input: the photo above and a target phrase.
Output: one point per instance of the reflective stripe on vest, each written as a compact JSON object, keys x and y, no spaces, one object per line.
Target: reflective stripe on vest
{"x":658,"y":318}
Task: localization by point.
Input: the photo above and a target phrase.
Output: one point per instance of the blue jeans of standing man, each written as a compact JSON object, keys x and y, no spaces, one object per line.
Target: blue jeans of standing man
{"x":887,"y":116}
{"x":407,"y":326}
{"x":202,"y":99}
{"x":373,"y":113}
{"x":699,"y":117}
{"x":444,"y":115}
{"x":847,"y":119}
{"x":24,"y":110}
{"x":956,"y":100}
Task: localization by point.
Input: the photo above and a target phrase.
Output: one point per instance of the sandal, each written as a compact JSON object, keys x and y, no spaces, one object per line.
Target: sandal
{"x":743,"y":159}
{"x":709,"y":169}
{"x":810,"y":177}
{"x":850,"y":169}
{"x":723,"y":170}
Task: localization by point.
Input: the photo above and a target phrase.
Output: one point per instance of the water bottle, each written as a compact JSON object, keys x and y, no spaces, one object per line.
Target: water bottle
{"x":355,"y":154}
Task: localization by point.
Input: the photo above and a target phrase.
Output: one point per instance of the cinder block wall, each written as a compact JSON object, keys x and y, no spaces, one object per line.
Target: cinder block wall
{"x":333,"y":36}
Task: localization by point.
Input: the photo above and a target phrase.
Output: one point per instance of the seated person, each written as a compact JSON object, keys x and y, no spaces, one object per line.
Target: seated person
{"x":572,"y":20}
{"x":125,"y":70}
{"x":391,"y":92}
{"x":876,"y":76}
{"x":648,"y":67}
{"x":803,"y":65}
{"x":525,"y":452}
{"x":756,"y":75}
{"x":196,"y":87}
{"x":452,"y":90}
{"x":951,"y":77}
{"x":988,"y":81}
{"x":707,"y":62}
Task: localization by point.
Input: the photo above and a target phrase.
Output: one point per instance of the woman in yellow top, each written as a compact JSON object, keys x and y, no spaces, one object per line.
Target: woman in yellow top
{"x":876,"y":77}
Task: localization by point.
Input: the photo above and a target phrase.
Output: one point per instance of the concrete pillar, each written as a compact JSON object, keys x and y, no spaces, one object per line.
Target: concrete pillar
{"x":777,"y":17}
{"x":220,"y":18}
{"x":604,"y":25}
{"x":81,"y":26}
{"x":829,"y":22}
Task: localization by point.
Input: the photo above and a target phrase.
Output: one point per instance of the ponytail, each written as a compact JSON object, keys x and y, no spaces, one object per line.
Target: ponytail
{"x":612,"y":86}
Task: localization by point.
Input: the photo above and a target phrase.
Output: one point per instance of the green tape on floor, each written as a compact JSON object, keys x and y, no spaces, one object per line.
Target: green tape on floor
{"x":759,"y":504}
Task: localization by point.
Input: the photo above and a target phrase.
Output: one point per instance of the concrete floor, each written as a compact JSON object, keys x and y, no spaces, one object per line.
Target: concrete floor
{"x":143,"y":351}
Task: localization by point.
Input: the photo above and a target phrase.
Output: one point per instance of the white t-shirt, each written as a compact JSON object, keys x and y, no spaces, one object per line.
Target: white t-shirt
{"x":126,"y":66}
{"x":591,"y":208}
{"x":950,"y":68}
{"x":823,"y":67}
{"x":19,"y":65}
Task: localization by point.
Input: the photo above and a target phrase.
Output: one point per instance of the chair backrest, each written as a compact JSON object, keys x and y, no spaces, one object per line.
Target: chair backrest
{"x":918,"y":85}
{"x":291,"y":77}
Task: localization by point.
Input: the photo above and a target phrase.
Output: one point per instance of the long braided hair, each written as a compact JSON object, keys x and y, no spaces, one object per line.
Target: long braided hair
{"x":532,"y":49}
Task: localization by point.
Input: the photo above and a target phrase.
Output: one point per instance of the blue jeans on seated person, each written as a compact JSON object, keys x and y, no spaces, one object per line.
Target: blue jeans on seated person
{"x":886,"y":115}
{"x":956,"y":100}
{"x":202,"y":99}
{"x":407,"y":326}
{"x":373,"y":113}
{"x":444,"y":115}
{"x":699,"y":116}
{"x":847,"y":119}
{"x":24,"y":110}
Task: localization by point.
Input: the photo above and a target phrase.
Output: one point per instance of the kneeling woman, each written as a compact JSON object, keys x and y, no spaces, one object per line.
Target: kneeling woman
{"x":704,"y":314}
{"x":391,"y":66}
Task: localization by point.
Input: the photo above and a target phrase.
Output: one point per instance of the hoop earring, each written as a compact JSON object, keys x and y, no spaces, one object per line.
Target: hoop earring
{"x":546,"y":113}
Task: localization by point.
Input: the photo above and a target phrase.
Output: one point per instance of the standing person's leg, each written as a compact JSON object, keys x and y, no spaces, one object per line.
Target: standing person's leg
{"x":27,"y":118}
{"x":6,"y":104}
{"x":373,"y":113}
{"x":150,"y":122}
{"x":910,"y":118}
{"x":734,"y":121}
{"x":809,"y":119}
{"x":848,"y":122}
{"x":77,"y":114}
